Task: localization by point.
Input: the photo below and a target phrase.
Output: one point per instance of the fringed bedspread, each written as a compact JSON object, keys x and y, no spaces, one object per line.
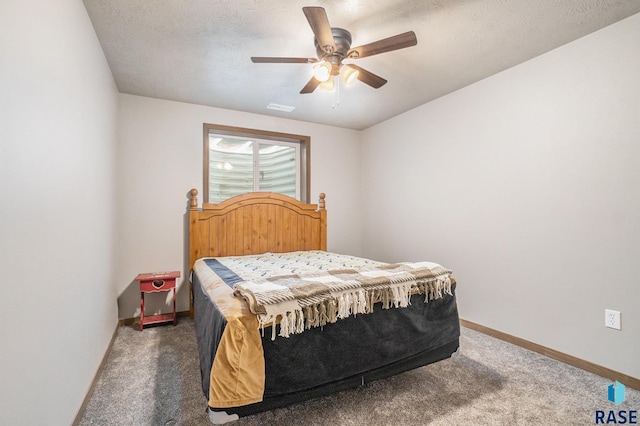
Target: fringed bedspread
{"x":303,"y":300}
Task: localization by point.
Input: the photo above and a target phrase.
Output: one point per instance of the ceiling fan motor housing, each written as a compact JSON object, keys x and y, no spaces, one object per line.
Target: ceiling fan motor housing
{"x":342,"y":40}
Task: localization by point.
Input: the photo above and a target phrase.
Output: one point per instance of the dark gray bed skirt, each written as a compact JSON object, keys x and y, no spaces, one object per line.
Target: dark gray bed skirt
{"x":270,"y":403}
{"x":349,"y":353}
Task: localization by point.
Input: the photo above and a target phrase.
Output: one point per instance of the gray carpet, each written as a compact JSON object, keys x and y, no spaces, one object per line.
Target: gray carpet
{"x":153,"y":378}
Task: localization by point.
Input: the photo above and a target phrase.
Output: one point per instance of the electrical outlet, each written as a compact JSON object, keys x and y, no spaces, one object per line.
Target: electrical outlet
{"x":612,"y":319}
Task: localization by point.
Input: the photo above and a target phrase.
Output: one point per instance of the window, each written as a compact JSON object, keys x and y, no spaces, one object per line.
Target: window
{"x":238,"y":160}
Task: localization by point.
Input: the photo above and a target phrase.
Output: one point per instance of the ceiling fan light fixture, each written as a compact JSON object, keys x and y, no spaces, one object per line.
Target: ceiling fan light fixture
{"x":322,"y":71}
{"x":348,"y":74}
{"x":328,"y":85}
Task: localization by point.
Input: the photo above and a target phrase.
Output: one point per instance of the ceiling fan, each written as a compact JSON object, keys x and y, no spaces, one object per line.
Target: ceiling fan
{"x":333,"y":45}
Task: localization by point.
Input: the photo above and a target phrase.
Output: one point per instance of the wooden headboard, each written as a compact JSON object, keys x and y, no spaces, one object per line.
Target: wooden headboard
{"x":254,"y":223}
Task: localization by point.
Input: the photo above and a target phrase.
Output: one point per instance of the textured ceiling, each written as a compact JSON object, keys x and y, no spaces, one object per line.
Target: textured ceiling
{"x":198,"y":51}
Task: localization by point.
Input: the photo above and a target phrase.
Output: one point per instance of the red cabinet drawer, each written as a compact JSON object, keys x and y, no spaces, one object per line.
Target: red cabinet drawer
{"x":157,"y":285}
{"x":158,"y":281}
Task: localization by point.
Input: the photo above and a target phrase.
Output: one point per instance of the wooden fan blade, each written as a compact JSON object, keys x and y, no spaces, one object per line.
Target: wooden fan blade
{"x":367,"y":77}
{"x":396,"y":42}
{"x":272,"y":60}
{"x":311,"y":86}
{"x":319,"y":23}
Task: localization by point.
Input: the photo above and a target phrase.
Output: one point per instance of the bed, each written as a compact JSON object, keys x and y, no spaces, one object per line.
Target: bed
{"x":259,"y":351}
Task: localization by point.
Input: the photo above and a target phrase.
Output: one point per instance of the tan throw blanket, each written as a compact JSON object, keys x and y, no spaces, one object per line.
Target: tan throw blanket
{"x":302,"y":301}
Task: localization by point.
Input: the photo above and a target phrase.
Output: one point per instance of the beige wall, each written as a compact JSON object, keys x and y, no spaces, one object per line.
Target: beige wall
{"x":58,"y":106}
{"x":526,"y":184}
{"x":160,"y":159}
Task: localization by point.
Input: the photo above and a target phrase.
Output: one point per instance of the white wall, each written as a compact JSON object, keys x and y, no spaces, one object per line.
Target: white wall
{"x":160,"y":160}
{"x":525,"y":184}
{"x":58,"y":107}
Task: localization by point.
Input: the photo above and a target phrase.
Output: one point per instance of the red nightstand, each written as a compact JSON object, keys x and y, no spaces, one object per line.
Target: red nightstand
{"x":153,"y":283}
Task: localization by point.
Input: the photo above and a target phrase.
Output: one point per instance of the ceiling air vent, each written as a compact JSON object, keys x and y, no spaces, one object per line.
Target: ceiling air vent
{"x":279,"y":107}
